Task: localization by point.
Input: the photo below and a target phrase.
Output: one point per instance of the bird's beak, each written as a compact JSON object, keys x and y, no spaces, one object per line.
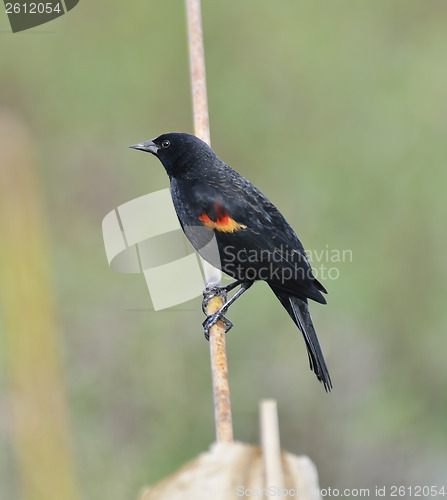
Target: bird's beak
{"x":148,"y":146}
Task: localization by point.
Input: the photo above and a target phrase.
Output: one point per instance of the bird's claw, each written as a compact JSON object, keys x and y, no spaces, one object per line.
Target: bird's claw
{"x":210,"y":293}
{"x":212,"y":319}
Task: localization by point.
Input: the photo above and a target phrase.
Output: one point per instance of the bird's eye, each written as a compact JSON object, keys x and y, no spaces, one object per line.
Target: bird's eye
{"x":165,"y":144}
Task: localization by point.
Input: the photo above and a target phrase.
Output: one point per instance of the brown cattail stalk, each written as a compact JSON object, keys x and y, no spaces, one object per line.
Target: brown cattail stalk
{"x":219,"y":365}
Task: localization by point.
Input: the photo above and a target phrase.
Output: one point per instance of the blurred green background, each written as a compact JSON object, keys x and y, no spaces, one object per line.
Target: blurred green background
{"x":337,"y":111}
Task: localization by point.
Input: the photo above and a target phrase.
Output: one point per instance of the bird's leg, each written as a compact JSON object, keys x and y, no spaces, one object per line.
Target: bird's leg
{"x":219,"y":315}
{"x":218,"y":291}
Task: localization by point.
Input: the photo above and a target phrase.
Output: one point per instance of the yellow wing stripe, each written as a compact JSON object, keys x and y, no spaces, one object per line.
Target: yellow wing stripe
{"x":222,"y":223}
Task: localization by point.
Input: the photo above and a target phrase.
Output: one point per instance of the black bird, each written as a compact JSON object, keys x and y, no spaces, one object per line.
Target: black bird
{"x":254,"y":240}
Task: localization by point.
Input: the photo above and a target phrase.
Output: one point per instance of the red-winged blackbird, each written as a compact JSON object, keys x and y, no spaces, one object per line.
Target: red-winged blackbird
{"x":254,"y":240}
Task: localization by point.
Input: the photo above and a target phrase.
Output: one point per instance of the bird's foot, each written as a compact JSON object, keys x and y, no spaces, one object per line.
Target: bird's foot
{"x":220,"y":293}
{"x":213,"y":292}
{"x":212,"y":319}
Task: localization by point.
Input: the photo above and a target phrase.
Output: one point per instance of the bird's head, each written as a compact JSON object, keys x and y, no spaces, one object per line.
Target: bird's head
{"x":179,"y":153}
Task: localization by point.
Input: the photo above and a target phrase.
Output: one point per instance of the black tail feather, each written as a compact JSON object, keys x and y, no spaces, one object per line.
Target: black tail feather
{"x":299,"y":312}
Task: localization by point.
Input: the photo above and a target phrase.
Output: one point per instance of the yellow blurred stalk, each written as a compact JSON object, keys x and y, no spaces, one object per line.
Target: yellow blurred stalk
{"x":39,"y":418}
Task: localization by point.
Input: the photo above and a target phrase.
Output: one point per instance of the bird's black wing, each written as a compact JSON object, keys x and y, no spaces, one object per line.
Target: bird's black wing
{"x":254,"y":237}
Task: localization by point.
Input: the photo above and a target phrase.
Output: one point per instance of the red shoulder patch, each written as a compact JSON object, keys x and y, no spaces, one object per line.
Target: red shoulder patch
{"x":223,"y":221}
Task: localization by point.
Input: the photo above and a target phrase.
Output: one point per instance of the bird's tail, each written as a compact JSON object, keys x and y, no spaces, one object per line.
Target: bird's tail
{"x":299,"y":312}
